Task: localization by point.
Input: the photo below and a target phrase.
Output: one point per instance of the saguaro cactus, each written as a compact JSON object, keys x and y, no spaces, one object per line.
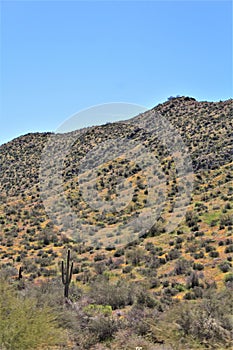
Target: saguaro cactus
{"x":20,"y":275}
{"x":66,"y":275}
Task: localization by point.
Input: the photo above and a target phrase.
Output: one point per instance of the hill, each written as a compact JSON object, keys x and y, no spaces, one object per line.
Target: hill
{"x":159,"y":268}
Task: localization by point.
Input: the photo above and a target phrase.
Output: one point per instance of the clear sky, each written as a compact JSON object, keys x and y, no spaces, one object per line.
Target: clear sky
{"x":59,"y":57}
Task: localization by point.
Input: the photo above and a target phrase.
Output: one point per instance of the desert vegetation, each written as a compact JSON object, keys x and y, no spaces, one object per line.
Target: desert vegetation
{"x":162,"y":290}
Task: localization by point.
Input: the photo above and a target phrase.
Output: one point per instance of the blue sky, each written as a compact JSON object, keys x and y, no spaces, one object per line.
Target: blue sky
{"x":59,"y":57}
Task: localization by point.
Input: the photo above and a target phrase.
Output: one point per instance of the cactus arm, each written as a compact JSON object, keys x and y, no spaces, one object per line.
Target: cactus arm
{"x":62,"y":271}
{"x":71,"y":272}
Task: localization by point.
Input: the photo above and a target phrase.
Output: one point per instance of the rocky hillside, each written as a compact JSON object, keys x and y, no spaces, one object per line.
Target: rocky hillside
{"x":205,"y":128}
{"x":171,"y":265}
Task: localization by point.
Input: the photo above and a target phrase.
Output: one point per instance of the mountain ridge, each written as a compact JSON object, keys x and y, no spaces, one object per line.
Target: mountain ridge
{"x":184,"y":112}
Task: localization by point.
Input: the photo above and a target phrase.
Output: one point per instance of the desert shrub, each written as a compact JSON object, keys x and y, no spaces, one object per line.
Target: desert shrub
{"x":127,"y":269}
{"x":225,"y":266}
{"x":199,"y":233}
{"x":7,"y":272}
{"x":191,"y":218}
{"x":227,"y":206}
{"x":99,"y":257}
{"x":214,"y":254}
{"x":119,"y":252}
{"x":162,"y":261}
{"x":226,"y":220}
{"x":209,"y":248}
{"x":156,"y":229}
{"x":173,"y":254}
{"x":23,"y":324}
{"x":199,"y":255}
{"x":136,"y":320}
{"x":198,"y":266}
{"x":179,"y":287}
{"x":208,"y":320}
{"x":135,"y":255}
{"x":154,"y":283}
{"x":228,"y":241}
{"x":170,"y":291}
{"x":229,"y":277}
{"x":182,"y":266}
{"x":229,"y":249}
{"x":198,"y":292}
{"x":179,"y":240}
{"x":127,"y":339}
{"x":165,"y":283}
{"x":143,"y":297}
{"x":189,"y":296}
{"x":94,"y":310}
{"x":116,"y":295}
{"x":99,"y":267}
{"x":150,"y":247}
{"x":50,"y":292}
{"x":195,"y":228}
{"x":110,"y":247}
{"x":192,"y":280}
{"x":102,"y":327}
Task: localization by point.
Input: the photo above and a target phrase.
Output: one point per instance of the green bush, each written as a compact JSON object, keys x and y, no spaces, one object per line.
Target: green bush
{"x":23,"y":324}
{"x":229,"y":277}
{"x":93,"y":309}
